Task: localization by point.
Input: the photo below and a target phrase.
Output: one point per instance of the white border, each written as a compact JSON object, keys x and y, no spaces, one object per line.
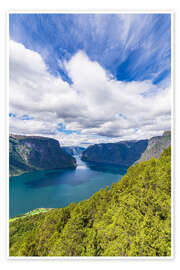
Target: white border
{"x":172,"y":138}
{"x":89,"y":11}
{"x":7,"y":128}
{"x":93,"y":11}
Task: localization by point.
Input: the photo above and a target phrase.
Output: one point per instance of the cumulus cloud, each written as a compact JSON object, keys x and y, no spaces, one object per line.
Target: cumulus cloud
{"x":96,"y":105}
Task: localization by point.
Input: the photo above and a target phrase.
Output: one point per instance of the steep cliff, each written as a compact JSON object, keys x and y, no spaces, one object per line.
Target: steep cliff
{"x":121,"y":153}
{"x":156,"y":146}
{"x":126,"y":153}
{"x":31,"y":153}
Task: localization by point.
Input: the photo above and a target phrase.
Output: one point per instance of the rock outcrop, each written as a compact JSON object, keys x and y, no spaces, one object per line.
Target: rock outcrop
{"x":156,"y":145}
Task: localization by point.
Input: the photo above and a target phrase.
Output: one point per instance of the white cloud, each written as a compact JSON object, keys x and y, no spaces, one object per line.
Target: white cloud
{"x":96,"y":104}
{"x":18,"y":126}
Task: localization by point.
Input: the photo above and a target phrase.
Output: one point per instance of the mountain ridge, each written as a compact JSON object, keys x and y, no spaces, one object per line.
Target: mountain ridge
{"x":128,"y":152}
{"x":156,"y":146}
{"x":31,"y":153}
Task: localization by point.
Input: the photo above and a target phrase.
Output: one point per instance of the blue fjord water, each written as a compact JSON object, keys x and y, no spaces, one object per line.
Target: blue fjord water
{"x":58,"y":188}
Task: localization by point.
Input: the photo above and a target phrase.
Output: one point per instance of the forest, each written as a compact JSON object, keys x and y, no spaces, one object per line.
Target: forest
{"x":132,"y":218}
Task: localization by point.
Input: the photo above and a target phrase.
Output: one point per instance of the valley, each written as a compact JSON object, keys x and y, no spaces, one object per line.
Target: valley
{"x":132,"y":218}
{"x":104,"y":196}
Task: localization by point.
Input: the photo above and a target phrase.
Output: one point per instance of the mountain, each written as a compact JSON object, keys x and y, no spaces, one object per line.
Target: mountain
{"x":73,"y":150}
{"x":121,"y":153}
{"x":126,"y":153}
{"x":156,"y":146}
{"x":31,"y":153}
{"x":132,"y":218}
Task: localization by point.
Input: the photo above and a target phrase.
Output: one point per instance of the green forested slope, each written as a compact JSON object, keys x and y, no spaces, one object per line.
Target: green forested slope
{"x":133,"y":218}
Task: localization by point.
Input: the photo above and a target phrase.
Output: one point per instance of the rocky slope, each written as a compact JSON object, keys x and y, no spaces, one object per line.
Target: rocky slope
{"x":126,"y":153}
{"x":31,"y":153}
{"x":73,"y":150}
{"x":156,"y":146}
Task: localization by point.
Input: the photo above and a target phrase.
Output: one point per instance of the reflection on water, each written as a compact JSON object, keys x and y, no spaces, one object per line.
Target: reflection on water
{"x":58,"y":188}
{"x":101,"y":167}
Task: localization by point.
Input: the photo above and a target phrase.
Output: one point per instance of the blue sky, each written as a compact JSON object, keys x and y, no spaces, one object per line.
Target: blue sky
{"x":129,"y":48}
{"x":136,"y":55}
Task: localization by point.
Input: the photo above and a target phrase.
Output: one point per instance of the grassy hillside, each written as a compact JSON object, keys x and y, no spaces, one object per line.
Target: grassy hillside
{"x":133,"y":218}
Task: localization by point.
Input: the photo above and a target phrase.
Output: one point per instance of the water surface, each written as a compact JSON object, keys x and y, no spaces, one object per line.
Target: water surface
{"x":58,"y":188}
